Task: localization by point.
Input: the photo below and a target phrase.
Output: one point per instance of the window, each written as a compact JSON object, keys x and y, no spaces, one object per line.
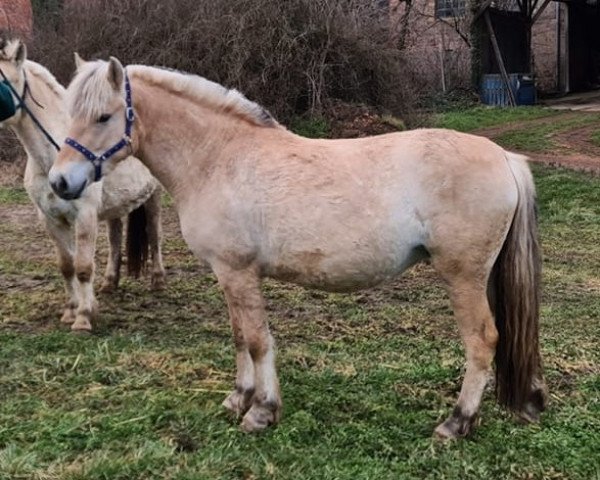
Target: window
{"x":450,"y":8}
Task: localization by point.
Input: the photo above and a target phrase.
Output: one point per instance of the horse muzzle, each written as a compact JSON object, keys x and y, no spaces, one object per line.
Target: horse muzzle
{"x":64,"y":187}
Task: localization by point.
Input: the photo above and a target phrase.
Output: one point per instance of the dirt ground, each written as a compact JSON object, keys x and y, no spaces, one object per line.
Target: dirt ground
{"x":575,"y":149}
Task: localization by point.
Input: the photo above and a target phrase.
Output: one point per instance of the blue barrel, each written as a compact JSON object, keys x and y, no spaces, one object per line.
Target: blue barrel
{"x":524,"y":85}
{"x":494,"y":92}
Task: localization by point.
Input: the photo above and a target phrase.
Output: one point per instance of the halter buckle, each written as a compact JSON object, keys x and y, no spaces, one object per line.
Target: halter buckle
{"x":129,"y":115}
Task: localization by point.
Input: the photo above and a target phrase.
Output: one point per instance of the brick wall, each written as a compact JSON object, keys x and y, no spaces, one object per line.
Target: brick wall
{"x":16,"y":16}
{"x":431,"y":43}
{"x":543,"y":45}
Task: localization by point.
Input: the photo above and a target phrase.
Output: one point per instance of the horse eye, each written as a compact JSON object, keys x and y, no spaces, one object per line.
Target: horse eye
{"x":104,"y":118}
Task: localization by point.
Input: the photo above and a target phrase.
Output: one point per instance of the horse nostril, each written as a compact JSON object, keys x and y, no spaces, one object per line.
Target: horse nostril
{"x":59,"y":185}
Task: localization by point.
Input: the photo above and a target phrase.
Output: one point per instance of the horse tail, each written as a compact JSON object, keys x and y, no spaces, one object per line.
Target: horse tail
{"x":137,"y":241}
{"x":515,"y":298}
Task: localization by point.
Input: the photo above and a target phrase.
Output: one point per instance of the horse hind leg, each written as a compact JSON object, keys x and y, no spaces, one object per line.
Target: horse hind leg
{"x":154,"y":230}
{"x":468,"y":295}
{"x":113,"y":265}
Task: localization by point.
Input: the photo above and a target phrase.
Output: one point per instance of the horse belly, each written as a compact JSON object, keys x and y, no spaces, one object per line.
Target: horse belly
{"x":345,"y":269}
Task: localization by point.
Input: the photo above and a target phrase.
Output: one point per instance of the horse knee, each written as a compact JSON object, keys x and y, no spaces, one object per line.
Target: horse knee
{"x":66,"y":268}
{"x":258,"y":343}
{"x":84,"y":272}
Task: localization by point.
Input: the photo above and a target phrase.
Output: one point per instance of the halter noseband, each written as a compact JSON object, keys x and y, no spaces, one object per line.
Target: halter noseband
{"x":98,"y":160}
{"x":20,"y":98}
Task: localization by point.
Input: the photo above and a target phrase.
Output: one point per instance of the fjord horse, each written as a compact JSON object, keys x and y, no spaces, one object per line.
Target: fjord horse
{"x":256,"y":200}
{"x":40,"y":122}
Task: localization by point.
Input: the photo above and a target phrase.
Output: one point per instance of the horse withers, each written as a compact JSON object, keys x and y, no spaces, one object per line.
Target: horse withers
{"x":256,"y":200}
{"x":40,"y":119}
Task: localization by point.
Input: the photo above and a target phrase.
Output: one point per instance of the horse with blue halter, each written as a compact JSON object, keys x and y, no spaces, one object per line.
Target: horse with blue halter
{"x":32,"y":104}
{"x":255,"y":200}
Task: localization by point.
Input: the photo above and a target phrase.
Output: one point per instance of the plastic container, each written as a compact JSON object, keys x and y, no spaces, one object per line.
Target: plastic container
{"x":494,"y":92}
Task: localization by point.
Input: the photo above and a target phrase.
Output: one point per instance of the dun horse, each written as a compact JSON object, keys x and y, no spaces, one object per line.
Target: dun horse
{"x":74,"y":225}
{"x":256,"y":200}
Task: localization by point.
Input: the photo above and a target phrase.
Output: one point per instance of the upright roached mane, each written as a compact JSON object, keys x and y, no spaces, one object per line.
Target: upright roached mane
{"x":89,"y":92}
{"x":258,"y":202}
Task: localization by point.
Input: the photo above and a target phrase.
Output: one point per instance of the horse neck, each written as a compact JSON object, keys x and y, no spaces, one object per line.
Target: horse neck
{"x":51,"y":114}
{"x":181,"y":141}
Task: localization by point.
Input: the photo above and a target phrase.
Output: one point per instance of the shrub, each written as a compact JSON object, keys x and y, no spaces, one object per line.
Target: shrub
{"x":292,"y":56}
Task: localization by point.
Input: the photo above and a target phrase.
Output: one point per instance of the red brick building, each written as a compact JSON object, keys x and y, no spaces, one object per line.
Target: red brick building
{"x":16,"y":16}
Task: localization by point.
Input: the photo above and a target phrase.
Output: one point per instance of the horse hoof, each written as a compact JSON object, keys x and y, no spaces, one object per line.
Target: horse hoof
{"x":443,"y":433}
{"x":83,"y":332}
{"x":158,"y":282}
{"x":534,"y":407}
{"x":108,"y":287}
{"x":455,"y":426}
{"x":68,"y":317}
{"x":82,"y":327}
{"x":260,"y":417}
{"x":238,"y":402}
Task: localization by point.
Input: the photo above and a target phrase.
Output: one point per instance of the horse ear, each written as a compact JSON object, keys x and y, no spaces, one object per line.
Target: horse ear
{"x":115,"y":73}
{"x":78,"y":61}
{"x":20,"y":54}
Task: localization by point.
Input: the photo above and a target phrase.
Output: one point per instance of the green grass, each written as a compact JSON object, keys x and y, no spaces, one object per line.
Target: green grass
{"x":596,"y":138}
{"x":483,"y":117}
{"x":13,"y":195}
{"x":315,"y":127}
{"x":365,"y":377}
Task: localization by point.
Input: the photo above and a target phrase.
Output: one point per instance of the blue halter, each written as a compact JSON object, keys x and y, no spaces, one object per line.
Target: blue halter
{"x":98,"y":160}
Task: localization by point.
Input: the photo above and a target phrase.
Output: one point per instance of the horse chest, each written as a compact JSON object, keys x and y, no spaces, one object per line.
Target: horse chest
{"x":48,"y":203}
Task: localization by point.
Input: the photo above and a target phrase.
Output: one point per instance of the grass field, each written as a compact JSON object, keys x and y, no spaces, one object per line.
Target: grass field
{"x":595,"y":138}
{"x":365,"y":377}
{"x":485,"y":117}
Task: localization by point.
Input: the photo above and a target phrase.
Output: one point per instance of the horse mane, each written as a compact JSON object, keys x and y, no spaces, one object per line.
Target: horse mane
{"x":41,"y":73}
{"x":90,"y":91}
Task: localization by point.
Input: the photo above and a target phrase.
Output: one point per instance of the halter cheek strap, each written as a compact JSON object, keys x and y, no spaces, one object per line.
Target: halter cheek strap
{"x":98,"y":160}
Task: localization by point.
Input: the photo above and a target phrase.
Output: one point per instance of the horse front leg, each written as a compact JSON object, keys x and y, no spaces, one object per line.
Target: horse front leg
{"x":86,"y":231}
{"x":257,"y":386}
{"x":154,"y":231}
{"x":240,"y":400}
{"x":63,"y":237}
{"x":113,"y":265}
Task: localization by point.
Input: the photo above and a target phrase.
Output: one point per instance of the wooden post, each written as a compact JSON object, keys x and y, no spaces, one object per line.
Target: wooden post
{"x":443,"y":59}
{"x":498,"y":54}
{"x":477,"y":43}
{"x":539,"y":11}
